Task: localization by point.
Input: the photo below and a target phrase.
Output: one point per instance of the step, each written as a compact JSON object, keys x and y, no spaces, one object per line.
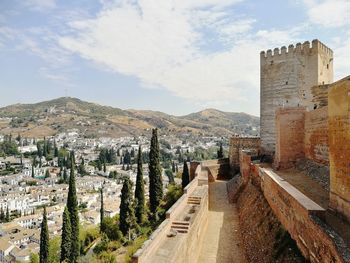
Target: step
{"x":180,"y":227}
{"x":181,"y":223}
{"x":195,"y":197}
{"x":194,"y":202}
{"x":181,"y":231}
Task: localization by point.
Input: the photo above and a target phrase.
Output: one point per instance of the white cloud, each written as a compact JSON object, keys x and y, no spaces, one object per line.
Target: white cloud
{"x":328,"y":13}
{"x":159,"y":43}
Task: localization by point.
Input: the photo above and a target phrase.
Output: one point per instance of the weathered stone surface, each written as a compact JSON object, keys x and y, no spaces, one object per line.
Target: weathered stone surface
{"x":316,"y":135}
{"x":317,"y":171}
{"x":289,"y":136}
{"x":238,"y":143}
{"x":296,"y":212}
{"x":339,"y":146}
{"x":287,"y":79}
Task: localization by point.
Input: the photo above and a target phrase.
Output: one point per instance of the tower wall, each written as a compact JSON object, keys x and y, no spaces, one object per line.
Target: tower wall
{"x":339,"y":146}
{"x":286,"y":80}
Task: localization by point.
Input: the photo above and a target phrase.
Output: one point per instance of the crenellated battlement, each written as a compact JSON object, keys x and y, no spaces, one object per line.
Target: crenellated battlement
{"x":287,"y":75}
{"x":305,"y":48}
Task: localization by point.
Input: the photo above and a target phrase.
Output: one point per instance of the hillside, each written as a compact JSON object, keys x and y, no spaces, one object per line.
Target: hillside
{"x":58,"y":115}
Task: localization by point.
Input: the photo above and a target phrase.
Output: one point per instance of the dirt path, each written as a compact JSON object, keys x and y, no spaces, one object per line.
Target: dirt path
{"x":221,"y":242}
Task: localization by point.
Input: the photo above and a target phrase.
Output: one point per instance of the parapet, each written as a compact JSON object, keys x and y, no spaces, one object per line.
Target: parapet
{"x":305,"y":48}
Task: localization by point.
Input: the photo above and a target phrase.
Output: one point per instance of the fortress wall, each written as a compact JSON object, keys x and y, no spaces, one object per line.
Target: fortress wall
{"x":339,"y":146}
{"x":189,"y":251}
{"x":289,"y":137}
{"x":316,"y":135}
{"x":193,"y":169}
{"x":182,"y":247}
{"x":286,"y":80}
{"x":300,"y":216}
{"x":297,"y":213}
{"x":237,"y":143}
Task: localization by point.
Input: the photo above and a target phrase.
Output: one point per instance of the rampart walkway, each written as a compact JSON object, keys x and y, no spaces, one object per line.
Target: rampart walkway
{"x":221,"y":242}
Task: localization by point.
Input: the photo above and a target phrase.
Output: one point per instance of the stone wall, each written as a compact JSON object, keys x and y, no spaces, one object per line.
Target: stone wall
{"x":339,"y":146}
{"x":316,"y":135}
{"x":301,"y":134}
{"x":286,"y":79}
{"x":264,"y":238}
{"x":238,"y":143}
{"x":289,"y":136}
{"x":183,"y":247}
{"x":300,"y":216}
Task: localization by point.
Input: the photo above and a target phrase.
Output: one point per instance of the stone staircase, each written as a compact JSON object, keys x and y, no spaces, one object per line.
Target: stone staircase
{"x":194,"y":200}
{"x":180,"y":226}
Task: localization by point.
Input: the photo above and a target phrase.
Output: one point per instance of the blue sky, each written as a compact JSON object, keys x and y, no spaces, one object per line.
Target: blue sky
{"x":175,"y":56}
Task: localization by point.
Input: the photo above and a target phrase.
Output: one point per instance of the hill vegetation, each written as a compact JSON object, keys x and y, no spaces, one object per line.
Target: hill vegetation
{"x":93,"y":120}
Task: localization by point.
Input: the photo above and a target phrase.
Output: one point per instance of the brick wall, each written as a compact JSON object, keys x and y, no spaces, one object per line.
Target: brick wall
{"x":339,"y":146}
{"x":300,"y":216}
{"x":237,"y":143}
{"x":289,"y":136}
{"x":316,"y":135}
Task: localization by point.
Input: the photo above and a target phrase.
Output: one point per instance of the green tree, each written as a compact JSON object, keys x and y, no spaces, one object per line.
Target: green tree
{"x":173,"y":168}
{"x":72,"y":205}
{"x":2,"y":215}
{"x":66,"y":236}
{"x":155,"y":174}
{"x":102,"y":211}
{"x":7,"y":218}
{"x":110,"y":226}
{"x":220,"y":151}
{"x":99,"y":165}
{"x":40,"y":152}
{"x":34,"y":258}
{"x":65,"y":175}
{"x":170,"y":175}
{"x":185,"y":176}
{"x":55,"y":149}
{"x":33,"y":172}
{"x":139,"y":191}
{"x":127,"y":219}
{"x":44,"y":240}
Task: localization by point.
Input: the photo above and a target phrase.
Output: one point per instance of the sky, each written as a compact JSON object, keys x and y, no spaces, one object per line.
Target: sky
{"x":175,"y":56}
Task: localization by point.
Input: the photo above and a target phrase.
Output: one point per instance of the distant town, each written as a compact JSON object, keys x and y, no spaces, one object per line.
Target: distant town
{"x":35,"y":171}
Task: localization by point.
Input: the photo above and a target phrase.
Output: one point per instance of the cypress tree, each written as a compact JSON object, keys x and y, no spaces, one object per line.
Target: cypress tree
{"x":127,"y":220}
{"x":44,"y":147}
{"x":2,"y":215}
{"x":104,"y":167}
{"x":44,"y":240}
{"x":102,"y":212}
{"x":66,"y":236}
{"x":185,"y":176}
{"x":65,"y":175}
{"x":33,"y":174}
{"x":139,"y":191}
{"x":7,"y":218}
{"x":220,"y":152}
{"x":55,"y":149}
{"x":72,"y":205}
{"x":173,"y":167}
{"x":40,"y":153}
{"x":155,"y":174}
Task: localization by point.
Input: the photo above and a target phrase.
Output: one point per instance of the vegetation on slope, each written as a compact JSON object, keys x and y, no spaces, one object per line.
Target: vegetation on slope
{"x":51,"y":117}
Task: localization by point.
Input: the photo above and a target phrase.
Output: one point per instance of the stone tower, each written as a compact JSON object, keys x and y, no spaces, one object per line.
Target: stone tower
{"x":286,"y":80}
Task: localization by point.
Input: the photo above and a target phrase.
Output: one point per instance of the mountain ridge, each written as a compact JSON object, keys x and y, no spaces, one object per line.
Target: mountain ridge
{"x":57,"y":115}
